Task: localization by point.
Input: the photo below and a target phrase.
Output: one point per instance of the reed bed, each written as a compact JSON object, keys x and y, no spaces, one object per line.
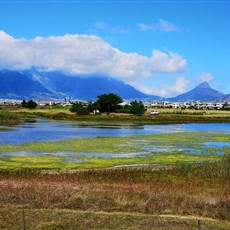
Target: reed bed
{"x":7,"y":117}
{"x":187,"y":190}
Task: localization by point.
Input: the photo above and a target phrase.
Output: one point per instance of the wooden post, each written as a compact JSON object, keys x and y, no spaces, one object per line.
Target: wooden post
{"x":199,"y":225}
{"x":24,"y":219}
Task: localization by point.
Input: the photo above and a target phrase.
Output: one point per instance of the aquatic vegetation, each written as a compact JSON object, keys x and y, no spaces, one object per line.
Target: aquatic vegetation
{"x":160,"y":149}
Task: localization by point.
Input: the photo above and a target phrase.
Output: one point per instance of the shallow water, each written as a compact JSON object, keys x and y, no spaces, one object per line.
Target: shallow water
{"x":45,"y":130}
{"x":72,"y":155}
{"x":216,"y":144}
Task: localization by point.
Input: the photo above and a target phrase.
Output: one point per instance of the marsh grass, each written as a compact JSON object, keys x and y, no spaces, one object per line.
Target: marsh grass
{"x":167,"y":116}
{"x":66,"y":219}
{"x":135,"y":197}
{"x":7,"y":117}
{"x":186,"y":113}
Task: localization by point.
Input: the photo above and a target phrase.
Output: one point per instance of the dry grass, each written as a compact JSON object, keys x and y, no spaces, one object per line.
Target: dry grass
{"x":68,"y":219}
{"x":136,"y":198}
{"x":207,"y":199}
{"x":206,"y":112}
{"x":167,"y":116}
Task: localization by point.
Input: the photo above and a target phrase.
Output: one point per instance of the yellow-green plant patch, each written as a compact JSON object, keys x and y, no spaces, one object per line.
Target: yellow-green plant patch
{"x":38,"y":160}
{"x":161,"y":149}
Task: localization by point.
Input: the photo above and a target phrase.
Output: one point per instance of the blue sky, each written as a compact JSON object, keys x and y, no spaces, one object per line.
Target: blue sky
{"x":160,"y":47}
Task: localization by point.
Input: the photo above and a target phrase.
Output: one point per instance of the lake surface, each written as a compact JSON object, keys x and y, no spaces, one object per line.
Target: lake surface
{"x":45,"y":130}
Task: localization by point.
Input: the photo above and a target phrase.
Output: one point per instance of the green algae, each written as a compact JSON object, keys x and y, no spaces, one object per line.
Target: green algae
{"x":161,"y":149}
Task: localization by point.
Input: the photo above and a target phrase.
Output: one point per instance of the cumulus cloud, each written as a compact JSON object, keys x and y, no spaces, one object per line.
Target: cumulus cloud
{"x":206,"y":77}
{"x":180,"y":86}
{"x":83,"y":54}
{"x":161,"y":25}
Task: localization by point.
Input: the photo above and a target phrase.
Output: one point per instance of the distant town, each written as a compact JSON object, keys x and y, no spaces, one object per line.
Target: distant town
{"x":156,"y":104}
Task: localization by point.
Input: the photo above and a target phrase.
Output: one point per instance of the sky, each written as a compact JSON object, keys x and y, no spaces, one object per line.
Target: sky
{"x":162,"y":48}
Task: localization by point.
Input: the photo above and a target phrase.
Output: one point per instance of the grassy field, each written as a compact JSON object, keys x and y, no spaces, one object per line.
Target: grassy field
{"x":8,"y":118}
{"x":122,"y":198}
{"x":166,"y":116}
{"x":193,"y":112}
{"x":70,"y":219}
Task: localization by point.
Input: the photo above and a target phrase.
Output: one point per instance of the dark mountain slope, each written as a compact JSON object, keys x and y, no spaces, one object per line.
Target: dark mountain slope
{"x":32,"y":84}
{"x":89,"y":87}
{"x":21,"y":85}
{"x":225,"y":98}
{"x":202,"y":92}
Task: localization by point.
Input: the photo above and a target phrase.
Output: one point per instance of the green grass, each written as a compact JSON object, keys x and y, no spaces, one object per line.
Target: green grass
{"x":7,"y":117}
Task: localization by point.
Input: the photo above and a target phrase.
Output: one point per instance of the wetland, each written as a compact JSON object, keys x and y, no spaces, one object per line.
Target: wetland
{"x":50,"y":144}
{"x":106,"y":173}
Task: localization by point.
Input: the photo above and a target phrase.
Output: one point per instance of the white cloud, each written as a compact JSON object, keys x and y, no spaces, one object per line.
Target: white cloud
{"x":179,"y":87}
{"x":161,"y":25}
{"x":145,"y":27}
{"x":206,"y":77}
{"x":84,"y":54}
{"x":167,"y":26}
{"x":100,"y":25}
{"x":109,"y":28}
{"x":167,"y":63}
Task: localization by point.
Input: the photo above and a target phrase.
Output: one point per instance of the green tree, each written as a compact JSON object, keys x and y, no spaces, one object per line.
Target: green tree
{"x":75,"y":107}
{"x":108,"y":102}
{"x":29,"y":104}
{"x":79,"y":109}
{"x":137,"y":108}
{"x":93,"y":106}
{"x":24,"y":104}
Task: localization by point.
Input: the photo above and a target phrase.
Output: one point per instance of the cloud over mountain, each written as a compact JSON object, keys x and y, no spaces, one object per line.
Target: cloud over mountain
{"x":207,"y":77}
{"x":180,"y":86}
{"x":83,"y":54}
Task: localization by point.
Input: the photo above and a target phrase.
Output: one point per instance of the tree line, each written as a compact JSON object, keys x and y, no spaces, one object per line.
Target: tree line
{"x":105,"y":103}
{"x":108,"y":103}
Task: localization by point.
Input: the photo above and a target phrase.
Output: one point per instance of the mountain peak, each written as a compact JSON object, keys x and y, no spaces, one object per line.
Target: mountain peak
{"x":203,"y":85}
{"x":202,"y":92}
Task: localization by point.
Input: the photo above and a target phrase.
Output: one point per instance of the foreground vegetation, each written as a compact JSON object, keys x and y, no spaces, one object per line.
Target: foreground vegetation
{"x":122,"y":198}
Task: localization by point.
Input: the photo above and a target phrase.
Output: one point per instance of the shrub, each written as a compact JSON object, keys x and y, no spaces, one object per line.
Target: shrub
{"x":30,"y":104}
{"x":79,"y":109}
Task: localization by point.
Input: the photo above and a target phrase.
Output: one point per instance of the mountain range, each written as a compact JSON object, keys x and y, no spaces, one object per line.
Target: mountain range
{"x":37,"y":85}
